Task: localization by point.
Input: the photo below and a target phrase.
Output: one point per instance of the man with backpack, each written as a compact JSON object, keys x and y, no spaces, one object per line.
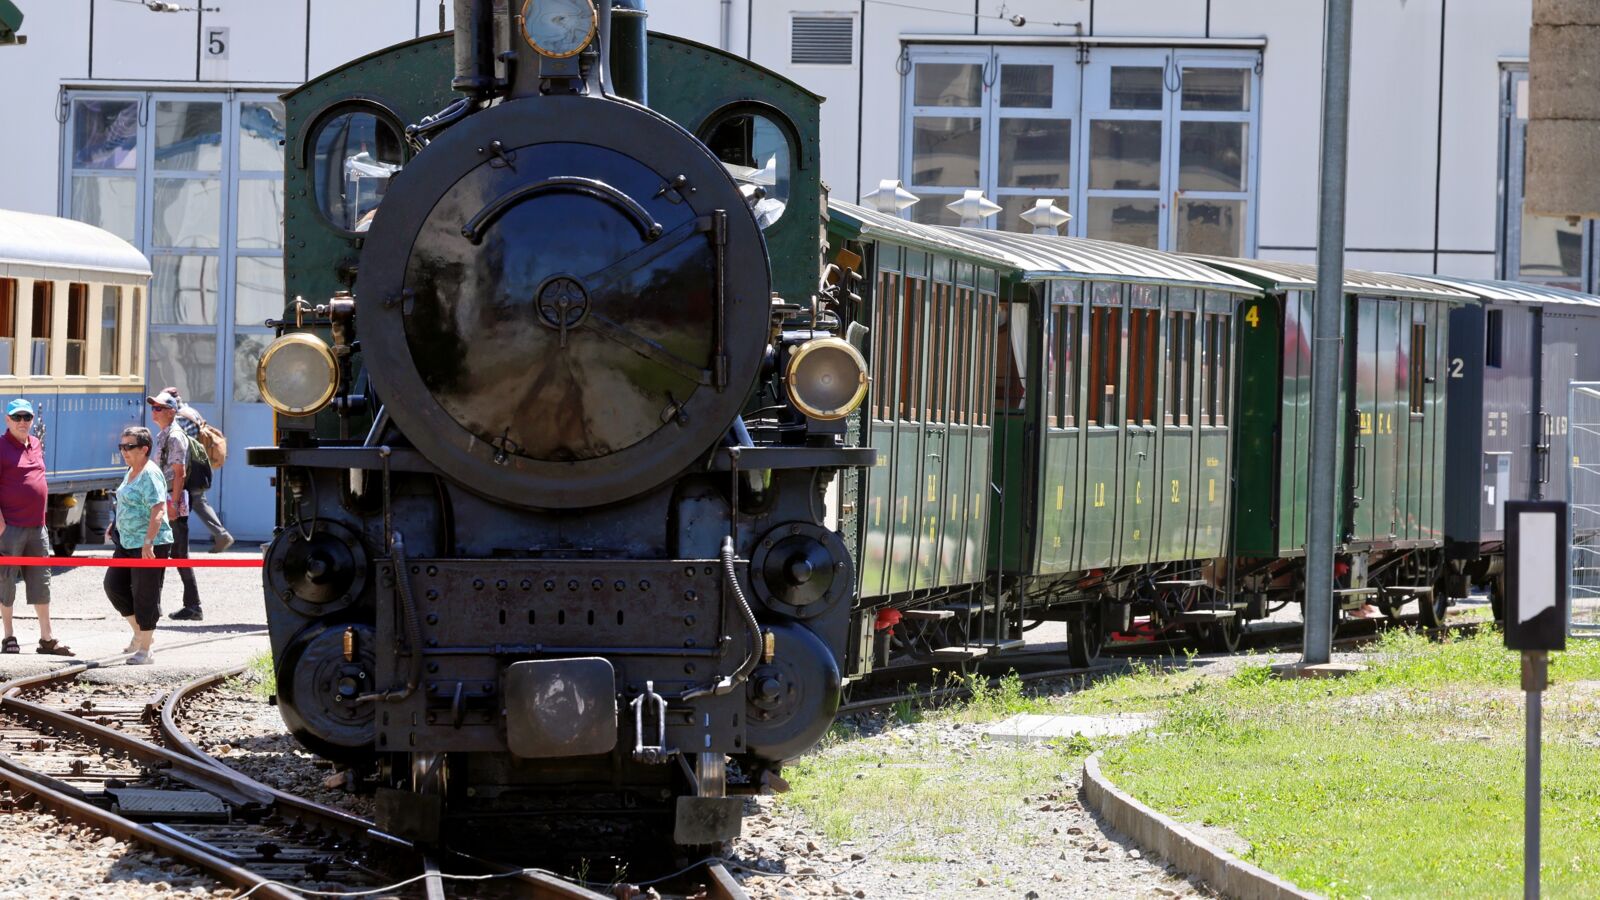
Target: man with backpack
{"x":203,"y":449}
{"x":172,"y":455}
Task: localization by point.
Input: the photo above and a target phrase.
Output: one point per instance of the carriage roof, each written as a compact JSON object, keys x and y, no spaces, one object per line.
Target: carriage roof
{"x":1032,"y":257}
{"x":35,"y":246}
{"x":1516,"y":291}
{"x":1303,"y":277}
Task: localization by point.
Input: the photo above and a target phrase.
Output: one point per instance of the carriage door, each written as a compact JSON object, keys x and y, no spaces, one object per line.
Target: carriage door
{"x":1363,"y":400}
{"x":1140,"y":489}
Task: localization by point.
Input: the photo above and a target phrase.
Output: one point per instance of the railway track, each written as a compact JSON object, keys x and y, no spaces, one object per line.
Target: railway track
{"x":928,"y":685}
{"x":126,"y":767}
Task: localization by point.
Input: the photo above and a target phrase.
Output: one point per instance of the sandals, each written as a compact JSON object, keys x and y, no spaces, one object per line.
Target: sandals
{"x":9,"y":645}
{"x":54,"y":647}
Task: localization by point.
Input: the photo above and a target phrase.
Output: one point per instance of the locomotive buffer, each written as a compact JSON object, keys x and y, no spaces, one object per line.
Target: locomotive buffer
{"x":1536,"y":585}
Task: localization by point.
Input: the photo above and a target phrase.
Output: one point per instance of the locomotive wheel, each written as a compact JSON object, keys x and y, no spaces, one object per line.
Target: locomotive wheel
{"x":1223,"y":636}
{"x":1085,"y":638}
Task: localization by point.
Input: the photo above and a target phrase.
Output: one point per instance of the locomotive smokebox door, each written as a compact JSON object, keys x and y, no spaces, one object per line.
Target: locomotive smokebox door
{"x":561,"y":707}
{"x":566,"y":301}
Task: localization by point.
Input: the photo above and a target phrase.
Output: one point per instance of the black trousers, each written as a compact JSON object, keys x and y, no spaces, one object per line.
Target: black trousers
{"x":137,"y":592}
{"x":180,"y":550}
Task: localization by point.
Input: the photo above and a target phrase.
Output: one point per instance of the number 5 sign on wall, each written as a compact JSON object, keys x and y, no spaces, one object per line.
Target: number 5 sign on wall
{"x":216,"y":43}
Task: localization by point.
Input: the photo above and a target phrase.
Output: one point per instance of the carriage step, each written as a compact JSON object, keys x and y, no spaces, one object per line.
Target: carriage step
{"x":927,"y":615}
{"x":1006,"y":645}
{"x":958,"y":654}
{"x":1182,"y":583}
{"x":1355,"y":592}
{"x":1412,"y":590}
{"x":1206,"y":615}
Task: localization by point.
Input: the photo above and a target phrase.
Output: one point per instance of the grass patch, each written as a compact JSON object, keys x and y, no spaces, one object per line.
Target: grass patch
{"x":1402,"y":781}
{"x":258,"y":676}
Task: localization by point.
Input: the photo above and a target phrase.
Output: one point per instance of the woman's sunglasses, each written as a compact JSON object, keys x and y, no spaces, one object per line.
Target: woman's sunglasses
{"x":129,"y":448}
{"x":22,"y":417}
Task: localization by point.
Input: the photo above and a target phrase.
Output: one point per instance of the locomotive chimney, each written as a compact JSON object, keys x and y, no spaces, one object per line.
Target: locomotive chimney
{"x":474,"y":40}
{"x":626,"y":66}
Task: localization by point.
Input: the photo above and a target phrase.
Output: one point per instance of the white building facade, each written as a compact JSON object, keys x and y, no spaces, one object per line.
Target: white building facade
{"x":1188,"y":125}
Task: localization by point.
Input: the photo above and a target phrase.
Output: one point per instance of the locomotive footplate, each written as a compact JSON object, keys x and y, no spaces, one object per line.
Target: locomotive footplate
{"x":482,"y":621}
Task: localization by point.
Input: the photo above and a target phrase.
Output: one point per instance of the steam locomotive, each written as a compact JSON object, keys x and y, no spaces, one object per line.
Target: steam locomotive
{"x":552,"y":455}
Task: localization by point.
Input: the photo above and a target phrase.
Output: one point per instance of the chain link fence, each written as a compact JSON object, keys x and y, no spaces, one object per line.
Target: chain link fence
{"x":1583,"y":449}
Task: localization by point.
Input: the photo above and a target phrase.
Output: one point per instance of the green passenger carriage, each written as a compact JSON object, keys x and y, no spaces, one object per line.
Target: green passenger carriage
{"x":1391,"y":481}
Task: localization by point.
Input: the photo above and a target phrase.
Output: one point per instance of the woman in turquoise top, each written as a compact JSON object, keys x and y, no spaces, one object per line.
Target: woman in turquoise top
{"x":140,"y":531}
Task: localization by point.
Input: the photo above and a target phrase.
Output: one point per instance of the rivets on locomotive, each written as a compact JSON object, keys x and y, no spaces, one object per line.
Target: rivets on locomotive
{"x":527,"y":584}
{"x":549,"y":584}
{"x":644,"y":585}
{"x":688,"y":621}
{"x":597,"y":584}
{"x":502,"y":584}
{"x":621,"y":585}
{"x":572,"y":584}
{"x":691,"y":596}
{"x":477,"y":584}
{"x":433,"y":618}
{"x":432,"y":571}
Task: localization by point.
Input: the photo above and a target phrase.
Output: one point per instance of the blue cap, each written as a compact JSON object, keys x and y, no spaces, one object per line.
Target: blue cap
{"x":19,"y":405}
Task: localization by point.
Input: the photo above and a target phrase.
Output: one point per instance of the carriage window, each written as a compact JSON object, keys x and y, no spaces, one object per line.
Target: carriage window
{"x":110,"y":328}
{"x":883,"y":342}
{"x":43,"y":297}
{"x":77,"y":327}
{"x":961,"y":336}
{"x":136,"y":346}
{"x":1180,"y":368}
{"x":1214,"y":366}
{"x":756,"y":152}
{"x":1011,"y":361}
{"x":938,"y":334}
{"x":1105,"y":359}
{"x":1493,"y":332}
{"x":990,"y":343}
{"x":1053,"y":364}
{"x":910,"y":358}
{"x":1144,"y":330}
{"x":356,"y":153}
{"x":1419,"y":362}
{"x":1064,"y":366}
{"x":8,"y":325}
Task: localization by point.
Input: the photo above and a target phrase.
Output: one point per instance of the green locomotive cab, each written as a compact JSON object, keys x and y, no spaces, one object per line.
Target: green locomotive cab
{"x":1391,"y":479}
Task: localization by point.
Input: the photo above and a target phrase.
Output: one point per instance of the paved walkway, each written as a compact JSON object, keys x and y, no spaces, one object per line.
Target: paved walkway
{"x":83,"y":619}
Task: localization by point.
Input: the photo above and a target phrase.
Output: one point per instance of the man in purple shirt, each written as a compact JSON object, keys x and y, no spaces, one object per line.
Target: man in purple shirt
{"x":23,"y":496}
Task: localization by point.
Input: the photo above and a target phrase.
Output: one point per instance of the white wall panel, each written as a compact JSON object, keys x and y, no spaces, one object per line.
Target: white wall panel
{"x":1402,"y":263}
{"x":57,"y":49}
{"x":1394,"y":91}
{"x":266,"y":42}
{"x":1477,"y":34}
{"x":135,"y":44}
{"x":1467,"y":265}
{"x":1164,"y":18}
{"x":342,"y":30}
{"x":1291,"y":85}
{"x":698,"y":20}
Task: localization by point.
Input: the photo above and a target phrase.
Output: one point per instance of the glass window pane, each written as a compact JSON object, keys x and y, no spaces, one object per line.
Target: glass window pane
{"x":1551,"y":248}
{"x":1125,"y":156}
{"x":356,"y":155}
{"x":185,"y":290}
{"x":186,"y":361}
{"x":105,"y":134}
{"x":1220,"y":90}
{"x":110,"y":328}
{"x":948,"y":84}
{"x":108,"y":202}
{"x":258,"y":294}
{"x":261,"y":137}
{"x":1136,"y":87}
{"x":944,"y":151}
{"x":260,"y":214}
{"x":188,"y":135}
{"x":1215,"y":227}
{"x":1034,"y":152}
{"x":1125,"y":220}
{"x":188,"y":212}
{"x":137,"y":346}
{"x":930,"y":209}
{"x":756,"y":151}
{"x":1027,"y":87}
{"x":77,"y":328}
{"x":1211,"y":156}
{"x":247,"y":350}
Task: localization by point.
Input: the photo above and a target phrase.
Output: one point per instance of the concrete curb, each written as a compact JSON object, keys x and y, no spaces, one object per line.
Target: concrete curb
{"x":1195,"y":856}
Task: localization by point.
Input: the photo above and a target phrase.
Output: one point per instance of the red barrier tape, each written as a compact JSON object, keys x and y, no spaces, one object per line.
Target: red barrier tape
{"x":109,"y":562}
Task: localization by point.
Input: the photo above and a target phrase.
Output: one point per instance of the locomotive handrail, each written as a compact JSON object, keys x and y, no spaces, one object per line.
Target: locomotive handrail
{"x":593,"y":187}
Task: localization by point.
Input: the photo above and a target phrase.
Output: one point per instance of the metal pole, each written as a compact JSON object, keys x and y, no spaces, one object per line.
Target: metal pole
{"x":1535,"y":668}
{"x":1327,"y":346}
